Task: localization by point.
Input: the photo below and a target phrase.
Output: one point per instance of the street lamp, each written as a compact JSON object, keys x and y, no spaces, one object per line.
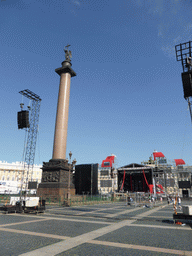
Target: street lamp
{"x":71,"y":165}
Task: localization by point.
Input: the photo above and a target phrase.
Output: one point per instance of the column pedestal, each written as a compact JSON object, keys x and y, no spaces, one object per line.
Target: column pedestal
{"x":54,"y":183}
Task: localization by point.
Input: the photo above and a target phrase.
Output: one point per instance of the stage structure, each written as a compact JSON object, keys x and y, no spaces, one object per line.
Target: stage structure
{"x":57,"y":176}
{"x":135,"y":178}
{"x":183,"y":54}
{"x":31,"y":128}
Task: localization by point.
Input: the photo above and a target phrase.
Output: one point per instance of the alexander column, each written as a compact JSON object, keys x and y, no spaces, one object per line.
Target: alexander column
{"x":56,"y":173}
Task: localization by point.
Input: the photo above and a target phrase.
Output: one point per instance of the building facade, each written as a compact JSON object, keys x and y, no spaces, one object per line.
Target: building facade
{"x":14,"y":176}
{"x":107,"y":180}
{"x":175,"y":180}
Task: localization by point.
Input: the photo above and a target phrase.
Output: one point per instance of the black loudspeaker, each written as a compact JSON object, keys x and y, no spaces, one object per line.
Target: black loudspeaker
{"x":187,"y":84}
{"x":32,"y":185}
{"x":23,"y":119}
{"x":86,"y":179}
{"x":184,"y":184}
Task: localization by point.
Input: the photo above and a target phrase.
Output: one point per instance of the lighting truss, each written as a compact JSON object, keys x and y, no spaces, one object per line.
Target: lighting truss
{"x":183,"y":53}
{"x":33,"y":129}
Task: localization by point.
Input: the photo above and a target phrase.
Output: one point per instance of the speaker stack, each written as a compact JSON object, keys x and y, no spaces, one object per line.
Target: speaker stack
{"x":187,"y":84}
{"x":23,"y":119}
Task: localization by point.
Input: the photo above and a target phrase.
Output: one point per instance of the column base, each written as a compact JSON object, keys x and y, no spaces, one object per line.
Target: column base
{"x":55,"y":180}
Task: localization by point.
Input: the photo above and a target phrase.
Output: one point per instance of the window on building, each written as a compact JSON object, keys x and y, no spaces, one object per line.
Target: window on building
{"x":104,"y":172}
{"x":8,"y":178}
{"x":13,"y":178}
{"x":3,"y":178}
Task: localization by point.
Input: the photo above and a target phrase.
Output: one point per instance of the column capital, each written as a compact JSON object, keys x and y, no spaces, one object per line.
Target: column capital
{"x":66,"y":68}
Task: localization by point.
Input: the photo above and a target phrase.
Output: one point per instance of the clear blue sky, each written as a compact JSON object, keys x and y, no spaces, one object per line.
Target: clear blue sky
{"x":127,"y":97}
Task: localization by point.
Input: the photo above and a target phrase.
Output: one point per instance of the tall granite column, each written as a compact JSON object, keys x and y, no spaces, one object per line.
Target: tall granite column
{"x":55,"y":174}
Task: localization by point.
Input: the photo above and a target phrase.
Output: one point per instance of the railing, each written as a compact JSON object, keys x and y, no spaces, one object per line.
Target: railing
{"x":134,"y":199}
{"x":81,"y":200}
{"x":138,"y":199}
{"x":5,"y":199}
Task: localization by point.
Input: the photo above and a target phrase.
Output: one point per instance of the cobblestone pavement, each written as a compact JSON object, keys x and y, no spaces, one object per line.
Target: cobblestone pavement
{"x":107,"y":229}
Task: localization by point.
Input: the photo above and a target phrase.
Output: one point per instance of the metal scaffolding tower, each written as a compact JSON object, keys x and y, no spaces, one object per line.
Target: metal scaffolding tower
{"x":183,"y":54}
{"x":32,"y":130}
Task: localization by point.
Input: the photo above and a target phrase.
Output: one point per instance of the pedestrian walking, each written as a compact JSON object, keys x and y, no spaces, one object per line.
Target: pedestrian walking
{"x":173,"y":200}
{"x":168,"y":200}
{"x":174,"y":204}
{"x":149,"y":199}
{"x":179,"y":203}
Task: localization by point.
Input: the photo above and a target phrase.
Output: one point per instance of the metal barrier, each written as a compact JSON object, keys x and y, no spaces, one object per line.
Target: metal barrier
{"x":133,"y":199}
{"x":82,"y":200}
{"x":137,"y":198}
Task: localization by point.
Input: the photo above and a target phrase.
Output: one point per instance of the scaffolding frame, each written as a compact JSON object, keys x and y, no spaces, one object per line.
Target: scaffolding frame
{"x":32,"y":131}
{"x":183,"y":54}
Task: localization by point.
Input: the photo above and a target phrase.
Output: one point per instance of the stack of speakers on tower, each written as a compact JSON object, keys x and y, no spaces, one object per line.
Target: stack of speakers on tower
{"x":187,"y":84}
{"x":23,"y":119}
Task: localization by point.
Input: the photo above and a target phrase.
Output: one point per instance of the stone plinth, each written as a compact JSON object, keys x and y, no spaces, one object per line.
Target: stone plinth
{"x":55,"y":177}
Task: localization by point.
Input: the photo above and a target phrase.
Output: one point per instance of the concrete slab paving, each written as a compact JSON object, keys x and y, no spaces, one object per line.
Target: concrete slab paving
{"x":155,"y":222}
{"x":123,"y":230}
{"x":154,"y":237}
{"x":16,"y":244}
{"x":98,"y":219}
{"x":14,"y":218}
{"x":106,"y":250}
{"x":59,"y":227}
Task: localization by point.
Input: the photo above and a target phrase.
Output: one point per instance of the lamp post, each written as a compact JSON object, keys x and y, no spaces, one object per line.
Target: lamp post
{"x":71,"y":165}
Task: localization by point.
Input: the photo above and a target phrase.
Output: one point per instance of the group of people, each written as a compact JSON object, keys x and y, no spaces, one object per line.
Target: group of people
{"x":174,"y":200}
{"x":152,"y":199}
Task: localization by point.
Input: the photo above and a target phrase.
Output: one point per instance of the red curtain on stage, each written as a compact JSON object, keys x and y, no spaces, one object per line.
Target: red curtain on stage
{"x":150,"y":186}
{"x":123,"y":181}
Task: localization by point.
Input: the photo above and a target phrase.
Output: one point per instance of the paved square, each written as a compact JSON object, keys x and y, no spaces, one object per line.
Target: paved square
{"x":151,"y":237}
{"x":14,"y":244}
{"x":59,"y":227}
{"x":107,"y":229}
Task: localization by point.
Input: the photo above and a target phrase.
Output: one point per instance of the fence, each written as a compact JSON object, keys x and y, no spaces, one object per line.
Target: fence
{"x":81,"y":200}
{"x":137,"y":198}
{"x":5,"y":199}
{"x":134,"y":199}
